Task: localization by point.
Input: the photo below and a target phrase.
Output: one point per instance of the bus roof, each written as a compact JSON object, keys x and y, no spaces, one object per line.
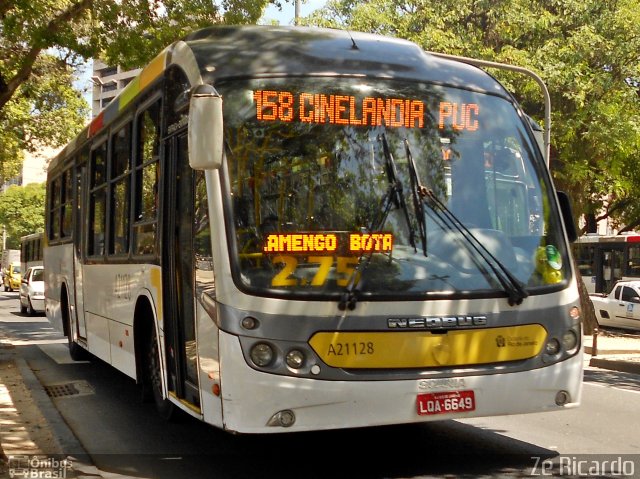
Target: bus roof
{"x":226,"y":52}
{"x":230,"y":52}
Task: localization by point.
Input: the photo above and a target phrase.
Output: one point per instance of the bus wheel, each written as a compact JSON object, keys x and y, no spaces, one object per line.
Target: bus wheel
{"x":154,"y":377}
{"x":77,"y":352}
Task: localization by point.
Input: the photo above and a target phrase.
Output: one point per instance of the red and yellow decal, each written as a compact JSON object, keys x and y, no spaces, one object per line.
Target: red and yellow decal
{"x":147,"y":76}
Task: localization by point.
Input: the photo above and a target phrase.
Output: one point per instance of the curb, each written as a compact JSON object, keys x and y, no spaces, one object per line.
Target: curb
{"x":589,"y":350}
{"x":63,"y":434}
{"x":615,"y":365}
{"x":73,"y":449}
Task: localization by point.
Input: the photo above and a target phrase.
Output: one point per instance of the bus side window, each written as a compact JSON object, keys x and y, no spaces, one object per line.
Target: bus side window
{"x":147,"y":177}
{"x":119,"y":180}
{"x":54,"y":209}
{"x":66,"y":204}
{"x":97,"y":201}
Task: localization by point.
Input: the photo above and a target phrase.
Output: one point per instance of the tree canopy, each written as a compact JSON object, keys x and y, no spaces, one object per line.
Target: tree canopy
{"x":586,"y":51}
{"x":42,"y":43}
{"x":22,"y":212}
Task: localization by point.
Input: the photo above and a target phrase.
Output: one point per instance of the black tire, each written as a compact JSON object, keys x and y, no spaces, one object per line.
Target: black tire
{"x":76,"y":352}
{"x":29,"y":308}
{"x":153,"y":378}
{"x":23,"y":309}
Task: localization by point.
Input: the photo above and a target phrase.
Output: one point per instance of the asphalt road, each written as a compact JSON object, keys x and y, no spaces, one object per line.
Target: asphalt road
{"x":125,"y":436}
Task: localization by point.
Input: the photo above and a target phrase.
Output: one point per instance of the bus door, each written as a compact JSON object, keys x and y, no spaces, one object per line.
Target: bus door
{"x":610,"y":266}
{"x":178,"y":271}
{"x":81,"y":226}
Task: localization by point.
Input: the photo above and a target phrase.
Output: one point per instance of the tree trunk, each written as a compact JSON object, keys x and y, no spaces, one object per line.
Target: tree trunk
{"x":588,"y":313}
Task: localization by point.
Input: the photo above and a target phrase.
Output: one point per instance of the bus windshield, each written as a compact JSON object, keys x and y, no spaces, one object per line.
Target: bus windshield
{"x":328,"y":180}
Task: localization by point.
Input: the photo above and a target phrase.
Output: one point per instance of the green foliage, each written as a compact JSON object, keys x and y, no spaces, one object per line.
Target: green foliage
{"x":42,"y":42}
{"x":586,"y":52}
{"x":132,"y":33}
{"x":22,"y":212}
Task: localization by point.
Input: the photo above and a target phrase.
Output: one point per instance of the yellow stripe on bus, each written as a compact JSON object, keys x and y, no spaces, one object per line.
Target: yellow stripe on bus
{"x":419,"y":349}
{"x":153,"y":70}
{"x":156,"y":282}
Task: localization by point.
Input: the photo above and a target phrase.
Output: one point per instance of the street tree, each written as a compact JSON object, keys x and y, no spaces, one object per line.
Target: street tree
{"x":48,"y":111}
{"x":585,"y":50}
{"x":22,"y":212}
{"x":42,"y":43}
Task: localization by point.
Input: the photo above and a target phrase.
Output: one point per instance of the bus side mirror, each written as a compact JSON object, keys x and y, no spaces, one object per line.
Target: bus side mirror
{"x":205,"y":128}
{"x":567,"y":216}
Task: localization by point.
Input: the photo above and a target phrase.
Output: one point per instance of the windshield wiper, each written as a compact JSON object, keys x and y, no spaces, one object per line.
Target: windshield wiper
{"x":417,"y":194}
{"x":512,"y":286}
{"x":395,"y":194}
{"x":394,"y":197}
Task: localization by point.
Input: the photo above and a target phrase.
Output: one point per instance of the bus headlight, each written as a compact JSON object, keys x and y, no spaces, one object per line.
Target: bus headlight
{"x":262,"y":354}
{"x":295,"y":359}
{"x":552,"y":347}
{"x":569,"y":340}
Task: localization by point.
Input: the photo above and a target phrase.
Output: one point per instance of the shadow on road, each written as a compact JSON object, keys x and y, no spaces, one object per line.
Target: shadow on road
{"x":605,"y":377}
{"x":192,"y":449}
{"x":439,"y":449}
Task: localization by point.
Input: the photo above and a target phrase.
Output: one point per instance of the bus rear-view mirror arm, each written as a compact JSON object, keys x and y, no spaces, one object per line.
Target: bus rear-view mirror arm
{"x":205,"y":128}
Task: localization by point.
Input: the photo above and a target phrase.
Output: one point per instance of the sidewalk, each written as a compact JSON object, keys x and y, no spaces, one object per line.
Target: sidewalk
{"x":34,"y":439}
{"x":34,"y":436}
{"x":615,"y":351}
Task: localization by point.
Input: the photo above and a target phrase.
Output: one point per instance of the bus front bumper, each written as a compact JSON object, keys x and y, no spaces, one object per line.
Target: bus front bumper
{"x":254,"y":402}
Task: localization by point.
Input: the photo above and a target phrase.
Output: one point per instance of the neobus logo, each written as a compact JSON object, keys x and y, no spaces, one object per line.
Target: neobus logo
{"x":437,"y":322}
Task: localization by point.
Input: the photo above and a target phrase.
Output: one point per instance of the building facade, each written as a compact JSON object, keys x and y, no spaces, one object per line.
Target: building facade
{"x":108,"y":81}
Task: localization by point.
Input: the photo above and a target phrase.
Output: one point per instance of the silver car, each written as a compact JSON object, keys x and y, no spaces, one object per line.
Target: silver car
{"x":32,"y":291}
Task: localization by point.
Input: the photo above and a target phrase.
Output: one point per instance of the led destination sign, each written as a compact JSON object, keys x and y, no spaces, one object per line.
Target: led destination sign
{"x":303,"y":107}
{"x":327,"y":243}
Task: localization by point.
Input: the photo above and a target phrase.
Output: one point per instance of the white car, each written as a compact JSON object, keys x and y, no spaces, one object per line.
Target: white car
{"x":32,"y":291}
{"x":621,"y":307}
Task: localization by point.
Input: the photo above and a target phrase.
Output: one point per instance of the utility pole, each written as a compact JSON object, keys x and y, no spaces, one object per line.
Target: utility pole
{"x":296,"y":20}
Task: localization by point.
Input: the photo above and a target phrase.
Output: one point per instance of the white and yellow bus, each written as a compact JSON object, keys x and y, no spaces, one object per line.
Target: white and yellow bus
{"x":287,"y":229}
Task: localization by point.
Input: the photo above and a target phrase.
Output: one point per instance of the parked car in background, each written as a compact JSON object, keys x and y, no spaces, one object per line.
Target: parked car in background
{"x":12,"y":277}
{"x":32,"y":291}
{"x":620,"y":308}
{"x":9,"y":257}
